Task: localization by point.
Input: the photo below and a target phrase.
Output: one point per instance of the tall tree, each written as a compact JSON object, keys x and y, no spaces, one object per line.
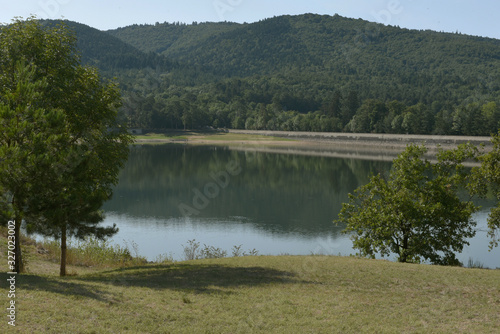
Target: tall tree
{"x":71,"y":183}
{"x":333,"y":108}
{"x":30,"y":139}
{"x":97,"y":151}
{"x":350,"y":107}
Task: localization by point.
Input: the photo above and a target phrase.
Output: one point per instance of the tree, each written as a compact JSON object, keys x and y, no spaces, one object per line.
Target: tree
{"x":350,"y":107}
{"x":333,"y":108}
{"x":76,"y":169}
{"x":491,"y":114}
{"x":487,"y":176}
{"x":417,"y":213}
{"x":369,"y":117}
{"x":469,"y":120}
{"x":30,"y":136}
{"x":96,"y":152}
{"x":417,"y":120}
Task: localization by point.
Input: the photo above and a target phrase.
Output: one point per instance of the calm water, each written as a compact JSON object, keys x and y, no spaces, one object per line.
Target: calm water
{"x":275,"y":203}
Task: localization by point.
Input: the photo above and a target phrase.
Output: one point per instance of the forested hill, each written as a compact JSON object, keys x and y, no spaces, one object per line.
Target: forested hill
{"x":332,"y":44}
{"x":110,"y":53}
{"x":306,"y":72}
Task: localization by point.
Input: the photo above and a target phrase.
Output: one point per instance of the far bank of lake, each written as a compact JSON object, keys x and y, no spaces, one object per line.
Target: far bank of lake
{"x":393,"y":143}
{"x":364,"y":146}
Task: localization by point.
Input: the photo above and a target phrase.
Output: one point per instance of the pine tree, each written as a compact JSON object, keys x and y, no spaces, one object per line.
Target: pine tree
{"x":69,"y":153}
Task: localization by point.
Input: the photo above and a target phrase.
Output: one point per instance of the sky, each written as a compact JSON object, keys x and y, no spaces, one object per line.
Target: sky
{"x":472,"y":17}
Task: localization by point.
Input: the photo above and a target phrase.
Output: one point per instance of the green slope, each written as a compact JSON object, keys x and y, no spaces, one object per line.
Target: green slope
{"x":110,"y":53}
{"x":307,"y":41}
{"x":260,"y":75}
{"x":162,"y":37}
{"x":331,"y":51}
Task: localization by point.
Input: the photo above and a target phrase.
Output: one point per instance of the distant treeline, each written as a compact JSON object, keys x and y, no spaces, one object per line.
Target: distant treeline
{"x":234,"y":105}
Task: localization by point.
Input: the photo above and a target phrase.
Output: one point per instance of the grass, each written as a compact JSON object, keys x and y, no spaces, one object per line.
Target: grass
{"x":261,"y":294}
{"x":91,"y":252}
{"x":169,"y":136}
{"x":211,"y":136}
{"x":82,"y":257}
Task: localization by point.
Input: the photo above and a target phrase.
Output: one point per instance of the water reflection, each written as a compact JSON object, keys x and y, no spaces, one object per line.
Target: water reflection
{"x":281,"y":193}
{"x":274,"y":202}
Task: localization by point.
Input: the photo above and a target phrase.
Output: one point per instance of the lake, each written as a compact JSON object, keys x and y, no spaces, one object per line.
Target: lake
{"x":276,"y":203}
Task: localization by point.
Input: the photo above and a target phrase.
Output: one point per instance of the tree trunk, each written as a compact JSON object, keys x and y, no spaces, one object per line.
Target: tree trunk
{"x":404,"y":253}
{"x":63,"y":251}
{"x":18,"y":263}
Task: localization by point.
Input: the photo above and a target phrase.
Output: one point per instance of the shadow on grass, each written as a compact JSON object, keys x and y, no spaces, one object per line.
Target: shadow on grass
{"x":199,"y":278}
{"x":57,"y":285}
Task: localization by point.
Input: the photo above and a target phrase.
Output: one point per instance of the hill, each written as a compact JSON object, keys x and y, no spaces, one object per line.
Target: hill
{"x":111,"y":54}
{"x":306,"y":72}
{"x":160,"y":38}
{"x":325,"y":44}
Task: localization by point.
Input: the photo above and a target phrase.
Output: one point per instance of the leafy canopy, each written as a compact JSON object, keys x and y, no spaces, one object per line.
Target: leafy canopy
{"x":62,"y":146}
{"x":417,"y":213}
{"x":487,"y":177}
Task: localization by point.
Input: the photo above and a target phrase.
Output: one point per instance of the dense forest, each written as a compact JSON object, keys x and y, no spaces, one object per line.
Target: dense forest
{"x":307,"y":73}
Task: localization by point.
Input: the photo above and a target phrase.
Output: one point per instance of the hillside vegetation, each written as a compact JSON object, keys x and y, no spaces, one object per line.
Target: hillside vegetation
{"x":306,"y":72}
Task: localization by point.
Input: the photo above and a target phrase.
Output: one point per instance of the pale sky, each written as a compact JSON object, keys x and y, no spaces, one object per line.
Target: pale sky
{"x":473,"y":17}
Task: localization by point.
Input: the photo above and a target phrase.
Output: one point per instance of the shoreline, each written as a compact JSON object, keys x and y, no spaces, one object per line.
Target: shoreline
{"x":371,"y":139}
{"x":384,"y":147}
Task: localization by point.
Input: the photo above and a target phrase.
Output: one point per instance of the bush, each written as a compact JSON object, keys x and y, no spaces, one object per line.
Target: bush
{"x":192,"y":251}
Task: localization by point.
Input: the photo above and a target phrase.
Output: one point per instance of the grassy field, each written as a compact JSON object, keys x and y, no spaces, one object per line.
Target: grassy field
{"x":200,"y":136}
{"x":254,"y":294}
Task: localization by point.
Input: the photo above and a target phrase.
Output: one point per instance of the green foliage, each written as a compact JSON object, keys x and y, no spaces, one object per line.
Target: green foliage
{"x":327,"y":48}
{"x":487,"y":177}
{"x":308,"y":72}
{"x":62,"y":145}
{"x":31,"y":138}
{"x":417,"y":213}
{"x":5,"y":208}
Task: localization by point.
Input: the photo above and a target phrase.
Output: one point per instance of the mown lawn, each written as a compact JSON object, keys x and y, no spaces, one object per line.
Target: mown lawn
{"x":262,"y":294}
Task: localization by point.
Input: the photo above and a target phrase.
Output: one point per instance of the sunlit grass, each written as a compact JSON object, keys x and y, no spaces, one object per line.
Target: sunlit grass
{"x":209,"y":135}
{"x":260,"y":294}
{"x":169,"y":136}
{"x":91,"y":252}
{"x":288,"y":294}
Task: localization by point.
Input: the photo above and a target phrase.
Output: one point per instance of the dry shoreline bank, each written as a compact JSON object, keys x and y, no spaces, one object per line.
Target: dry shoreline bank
{"x":372,"y":140}
{"x":341,"y":145}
